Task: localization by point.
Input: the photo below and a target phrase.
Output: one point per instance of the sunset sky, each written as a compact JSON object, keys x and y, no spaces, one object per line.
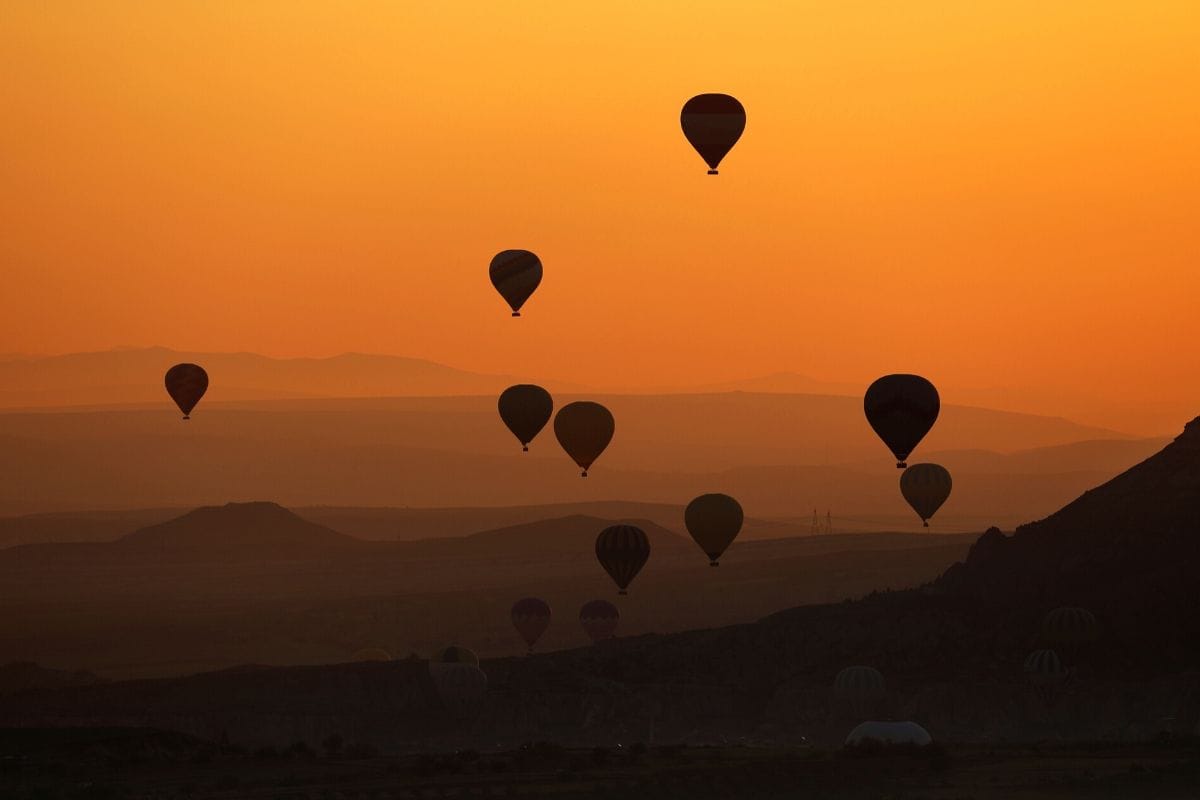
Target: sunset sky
{"x":994,"y":194}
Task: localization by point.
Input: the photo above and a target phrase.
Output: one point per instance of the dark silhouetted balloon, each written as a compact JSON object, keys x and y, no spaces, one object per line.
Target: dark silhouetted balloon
{"x":860,"y":686}
{"x":622,"y":550}
{"x":584,"y":429}
{"x":455,"y":655}
{"x":714,"y":521}
{"x":925,"y":487}
{"x":515,"y":274}
{"x":712,"y":124}
{"x":186,"y":383}
{"x":901,"y":409}
{"x":531,"y":617}
{"x":525,"y":409}
{"x":599,"y":619}
{"x":1046,"y":674}
{"x":462,"y":688}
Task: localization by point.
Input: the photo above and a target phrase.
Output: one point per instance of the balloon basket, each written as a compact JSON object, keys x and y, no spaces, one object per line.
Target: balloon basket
{"x":712,"y":172}
{"x":516,"y":313}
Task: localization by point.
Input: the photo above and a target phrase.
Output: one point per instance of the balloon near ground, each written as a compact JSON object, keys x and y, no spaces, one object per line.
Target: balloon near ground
{"x":525,"y":409}
{"x":1069,"y":630}
{"x":713,"y":123}
{"x":599,"y":619}
{"x":584,"y":430}
{"x":889,"y":733}
{"x":516,"y":274}
{"x":901,"y":409}
{"x":455,"y":655}
{"x":461,"y":687}
{"x":714,"y":521}
{"x":861,"y":687}
{"x":531,"y":617}
{"x":622,"y":550}
{"x":925,"y":487}
{"x":1046,"y":675}
{"x":186,"y":383}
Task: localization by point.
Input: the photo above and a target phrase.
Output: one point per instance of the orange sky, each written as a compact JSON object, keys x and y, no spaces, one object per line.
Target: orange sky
{"x":992,"y":194}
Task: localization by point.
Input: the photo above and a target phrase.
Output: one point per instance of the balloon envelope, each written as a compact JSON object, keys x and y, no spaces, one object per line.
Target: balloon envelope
{"x":186,"y":383}
{"x":515,"y":274}
{"x":901,"y":409}
{"x":599,"y":619}
{"x":893,"y":733}
{"x":714,"y":521}
{"x":584,"y":429}
{"x":860,"y":686}
{"x":531,"y":617}
{"x":455,"y":655}
{"x":712,"y":124}
{"x":622,"y":550}
{"x":461,"y":687}
{"x":1046,"y":674}
{"x":925,"y":487}
{"x":525,"y":409}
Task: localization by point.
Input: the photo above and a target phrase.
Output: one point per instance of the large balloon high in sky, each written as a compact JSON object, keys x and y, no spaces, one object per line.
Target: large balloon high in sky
{"x":584,"y":430}
{"x":714,"y":521}
{"x":525,"y":409}
{"x":515,"y":274}
{"x":712,"y":124}
{"x":901,"y":409}
{"x":186,"y":383}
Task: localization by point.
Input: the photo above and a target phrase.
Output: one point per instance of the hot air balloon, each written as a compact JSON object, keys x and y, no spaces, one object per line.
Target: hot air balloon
{"x":584,"y":429}
{"x":515,"y":274}
{"x":889,"y":733}
{"x":186,"y":383}
{"x":622,"y":550}
{"x":1046,"y":674}
{"x":461,"y":687}
{"x":531,"y":617}
{"x":372,"y":654}
{"x":525,"y":409}
{"x":901,"y":409}
{"x":925,"y":487}
{"x":455,"y":655}
{"x":599,"y":619}
{"x":712,"y":124}
{"x":714,"y":521}
{"x":860,"y":686}
{"x":1070,"y":630}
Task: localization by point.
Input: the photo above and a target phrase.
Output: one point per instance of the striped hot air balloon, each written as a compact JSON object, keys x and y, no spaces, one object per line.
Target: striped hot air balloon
{"x":455,"y":655}
{"x":622,"y":550}
{"x":515,"y":274}
{"x":1046,"y":675}
{"x":713,"y":123}
{"x":901,"y":409}
{"x":186,"y":383}
{"x":599,"y":619}
{"x":1070,"y":630}
{"x":925,"y":487}
{"x":861,"y":687}
{"x":531,"y":617}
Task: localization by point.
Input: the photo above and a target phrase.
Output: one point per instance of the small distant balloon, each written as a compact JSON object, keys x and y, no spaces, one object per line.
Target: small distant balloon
{"x":860,"y":686}
{"x":599,"y":619}
{"x":525,"y":409}
{"x":531,"y":617}
{"x":515,"y":274}
{"x":714,"y":521}
{"x":622,"y":550}
{"x":584,"y":429}
{"x":186,"y":383}
{"x":712,"y":124}
{"x":455,"y":655}
{"x":462,"y":688}
{"x":925,"y":487}
{"x":1046,"y":674}
{"x":901,"y":409}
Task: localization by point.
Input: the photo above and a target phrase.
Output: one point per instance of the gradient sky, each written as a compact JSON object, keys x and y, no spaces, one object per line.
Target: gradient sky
{"x":995,"y":194}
